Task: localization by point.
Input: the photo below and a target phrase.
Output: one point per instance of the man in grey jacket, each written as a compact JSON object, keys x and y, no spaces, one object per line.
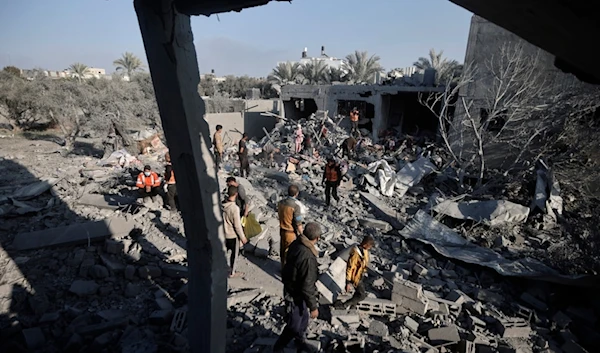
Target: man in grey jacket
{"x":232,"y":224}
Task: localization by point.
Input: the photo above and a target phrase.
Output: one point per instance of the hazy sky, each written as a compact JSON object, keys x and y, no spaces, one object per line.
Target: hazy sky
{"x":53,"y":34}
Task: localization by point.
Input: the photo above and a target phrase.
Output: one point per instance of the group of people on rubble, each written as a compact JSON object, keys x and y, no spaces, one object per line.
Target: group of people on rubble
{"x":148,"y":183}
{"x":298,"y":252}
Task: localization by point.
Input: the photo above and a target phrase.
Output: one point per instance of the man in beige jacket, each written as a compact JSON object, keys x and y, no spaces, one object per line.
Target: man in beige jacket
{"x":232,"y":224}
{"x":218,"y":143}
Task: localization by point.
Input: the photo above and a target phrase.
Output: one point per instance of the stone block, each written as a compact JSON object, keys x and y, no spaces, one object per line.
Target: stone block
{"x":411,"y":324}
{"x":86,"y":265}
{"x":160,"y":317}
{"x":332,"y":282}
{"x":419,"y":269}
{"x":378,"y":328}
{"x":465,"y":347}
{"x":344,"y":317}
{"x":443,"y":335}
{"x":418,"y":306}
{"x":98,"y":272}
{"x":376,"y":224}
{"x":408,"y":289}
{"x":377,"y":307}
{"x":34,"y":338}
{"x":112,"y":246}
{"x":513,"y":327}
{"x":83,"y":288}
{"x":458,"y":297}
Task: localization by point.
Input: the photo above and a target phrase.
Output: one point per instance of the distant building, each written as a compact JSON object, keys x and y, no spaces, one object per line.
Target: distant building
{"x":329,"y":61}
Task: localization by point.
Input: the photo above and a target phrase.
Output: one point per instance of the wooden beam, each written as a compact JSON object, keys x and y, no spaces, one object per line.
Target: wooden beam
{"x":171,"y":54}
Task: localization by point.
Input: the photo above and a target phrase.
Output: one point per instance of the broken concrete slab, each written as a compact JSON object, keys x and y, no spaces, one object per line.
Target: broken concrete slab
{"x":378,"y":328}
{"x":376,"y":224}
{"x":412,"y":173}
{"x":332,"y":282}
{"x":513,"y":327}
{"x":492,"y":212}
{"x":107,"y":202}
{"x":81,"y":233}
{"x":443,"y":335}
{"x":344,"y":317}
{"x":243,"y":297}
{"x":32,"y":190}
{"x":384,"y":211}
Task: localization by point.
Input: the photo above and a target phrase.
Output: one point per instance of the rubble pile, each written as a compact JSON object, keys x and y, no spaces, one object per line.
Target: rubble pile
{"x":84,"y":266}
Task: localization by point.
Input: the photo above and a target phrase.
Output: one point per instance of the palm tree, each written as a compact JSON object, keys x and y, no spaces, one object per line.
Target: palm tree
{"x":362,"y":68}
{"x":79,"y":70}
{"x":128,"y":63}
{"x":447,"y":70}
{"x":285,"y":73}
{"x":314,"y":72}
{"x":337,"y":75}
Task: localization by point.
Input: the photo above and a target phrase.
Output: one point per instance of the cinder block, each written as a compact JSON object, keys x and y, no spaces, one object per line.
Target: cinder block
{"x":465,"y":347}
{"x":514,"y":327}
{"x":419,"y":306}
{"x":411,"y":324}
{"x":377,"y":307}
{"x":443,"y":335}
{"x":408,"y":289}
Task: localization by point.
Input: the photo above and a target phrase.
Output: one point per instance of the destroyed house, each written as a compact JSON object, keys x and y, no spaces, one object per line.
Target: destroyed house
{"x":381,"y":107}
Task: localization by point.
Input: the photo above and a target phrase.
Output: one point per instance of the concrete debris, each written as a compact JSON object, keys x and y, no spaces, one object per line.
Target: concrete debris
{"x":89,"y":268}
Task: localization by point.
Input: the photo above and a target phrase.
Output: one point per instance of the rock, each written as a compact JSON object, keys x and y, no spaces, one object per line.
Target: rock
{"x":164,"y":303}
{"x":113,"y":246}
{"x":112,"y":314}
{"x":378,"y":328}
{"x":132,"y":290}
{"x":85,"y":267}
{"x":98,"y":272}
{"x":129,"y":272}
{"x":34,"y":338}
{"x":84,"y":288}
{"x":443,"y":335}
{"x":149,"y":272}
{"x":104,"y":339}
{"x":375,"y":223}
{"x":49,"y":317}
{"x":160,"y":317}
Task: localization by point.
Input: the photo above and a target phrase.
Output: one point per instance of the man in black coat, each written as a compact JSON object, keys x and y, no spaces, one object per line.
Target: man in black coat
{"x":300,"y":291}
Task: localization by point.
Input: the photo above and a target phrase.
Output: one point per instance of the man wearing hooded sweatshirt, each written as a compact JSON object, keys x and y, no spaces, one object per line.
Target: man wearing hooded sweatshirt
{"x":299,"y":279}
{"x":355,"y":270}
{"x":232,"y":224}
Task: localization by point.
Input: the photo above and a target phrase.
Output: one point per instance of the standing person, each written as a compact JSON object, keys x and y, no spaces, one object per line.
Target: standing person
{"x":299,"y":138}
{"x":170,"y":186}
{"x":218,"y":143}
{"x":348,"y":147}
{"x":232,"y":224}
{"x":242,"y":198}
{"x":290,"y":221}
{"x":308,"y":147}
{"x":269,"y":151}
{"x":243,"y":154}
{"x":148,"y":183}
{"x":355,"y":270}
{"x":299,"y":279}
{"x":332,"y":179}
{"x":354,"y":117}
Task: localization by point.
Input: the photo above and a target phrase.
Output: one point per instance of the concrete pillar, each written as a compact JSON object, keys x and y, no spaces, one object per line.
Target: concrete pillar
{"x":171,"y":54}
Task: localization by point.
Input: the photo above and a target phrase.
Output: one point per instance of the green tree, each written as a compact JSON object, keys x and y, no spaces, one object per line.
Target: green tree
{"x":13,"y":70}
{"x":79,"y":70}
{"x":362,"y":67}
{"x":128,"y":63}
{"x":286,"y":73}
{"x":314,"y":72}
{"x":337,"y":75}
{"x":447,"y":70}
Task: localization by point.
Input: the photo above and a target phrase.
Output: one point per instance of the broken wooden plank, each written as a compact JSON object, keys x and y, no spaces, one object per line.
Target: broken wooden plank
{"x":108,"y":202}
{"x":80,"y":233}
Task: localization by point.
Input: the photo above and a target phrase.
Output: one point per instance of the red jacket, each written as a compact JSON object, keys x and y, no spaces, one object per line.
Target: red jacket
{"x":143,"y":181}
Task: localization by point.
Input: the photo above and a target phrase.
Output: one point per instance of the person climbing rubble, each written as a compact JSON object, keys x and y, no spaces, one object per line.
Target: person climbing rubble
{"x":299,"y":277}
{"x":218,"y":146}
{"x":148,"y":183}
{"x":355,"y":270}
{"x":269,"y":151}
{"x":170,"y":187}
{"x":242,"y":197}
{"x":290,"y":221}
{"x":299,"y":138}
{"x":308,"y":146}
{"x":354,"y":117}
{"x":349,"y":148}
{"x":243,"y":155}
{"x":232,"y":225}
{"x":332,"y":179}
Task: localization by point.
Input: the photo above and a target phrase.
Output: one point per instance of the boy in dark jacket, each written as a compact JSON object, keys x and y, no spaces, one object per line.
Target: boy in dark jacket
{"x":300,"y":291}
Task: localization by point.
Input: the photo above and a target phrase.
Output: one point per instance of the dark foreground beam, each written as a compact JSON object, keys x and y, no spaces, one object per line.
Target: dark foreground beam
{"x":173,"y":65}
{"x":562,"y":28}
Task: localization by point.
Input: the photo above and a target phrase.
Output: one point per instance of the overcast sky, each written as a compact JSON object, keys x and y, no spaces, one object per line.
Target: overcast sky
{"x":53,"y":34}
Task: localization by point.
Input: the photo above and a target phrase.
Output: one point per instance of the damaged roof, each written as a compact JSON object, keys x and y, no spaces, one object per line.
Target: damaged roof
{"x":210,"y":7}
